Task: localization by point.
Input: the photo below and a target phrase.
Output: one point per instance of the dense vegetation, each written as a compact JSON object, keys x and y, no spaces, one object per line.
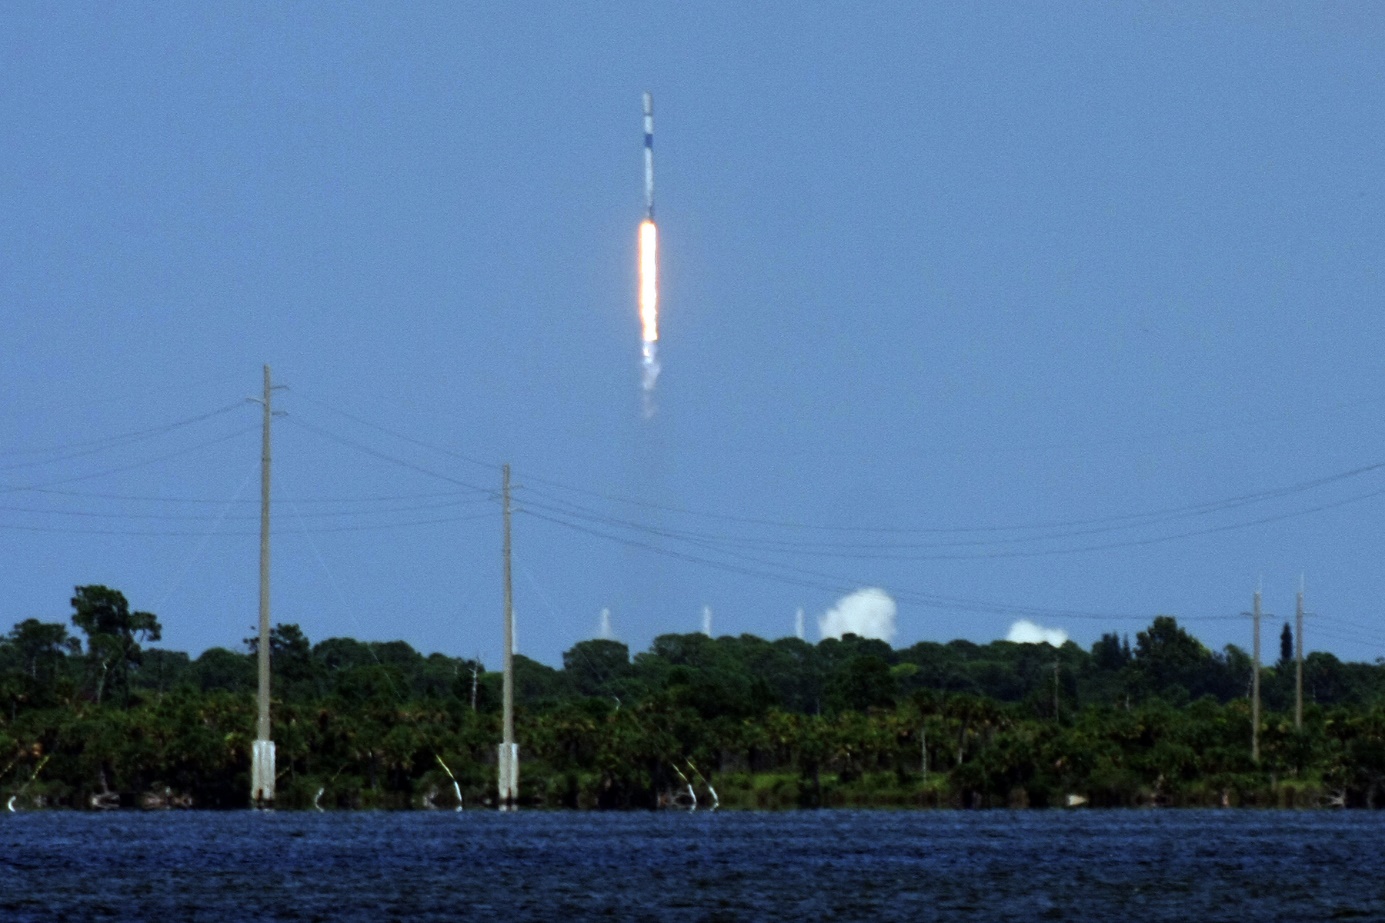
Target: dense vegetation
{"x":101,"y":718}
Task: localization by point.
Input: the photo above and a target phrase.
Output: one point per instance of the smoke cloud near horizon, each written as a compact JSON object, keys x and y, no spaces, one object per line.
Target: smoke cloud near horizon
{"x":1027,"y":632}
{"x":868,"y":612}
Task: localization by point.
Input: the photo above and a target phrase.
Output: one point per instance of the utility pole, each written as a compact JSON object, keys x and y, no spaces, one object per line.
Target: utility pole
{"x":923,"y":746}
{"x":1255,"y":683}
{"x":1055,"y":691}
{"x":262,"y":763}
{"x":1298,"y":659}
{"x":508,"y":762}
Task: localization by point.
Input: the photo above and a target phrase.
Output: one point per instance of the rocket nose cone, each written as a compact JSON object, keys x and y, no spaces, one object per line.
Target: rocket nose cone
{"x":648,"y":104}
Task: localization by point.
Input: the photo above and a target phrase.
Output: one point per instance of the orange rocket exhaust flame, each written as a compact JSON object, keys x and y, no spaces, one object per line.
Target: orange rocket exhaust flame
{"x":649,"y":310}
{"x":649,"y":282}
{"x":649,"y":269}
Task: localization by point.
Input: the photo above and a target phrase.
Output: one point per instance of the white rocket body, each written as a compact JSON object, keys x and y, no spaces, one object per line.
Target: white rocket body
{"x":649,"y":156}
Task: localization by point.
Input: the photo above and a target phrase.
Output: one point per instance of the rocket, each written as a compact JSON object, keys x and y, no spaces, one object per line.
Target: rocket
{"x":648,"y":157}
{"x":649,"y":268}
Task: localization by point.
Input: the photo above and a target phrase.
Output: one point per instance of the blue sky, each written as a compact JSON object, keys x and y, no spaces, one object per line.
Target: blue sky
{"x":955,"y":297}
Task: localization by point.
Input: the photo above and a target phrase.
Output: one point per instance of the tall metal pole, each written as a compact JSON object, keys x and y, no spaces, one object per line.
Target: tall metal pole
{"x":1255,"y":684}
{"x":1056,"y":716}
{"x":509,"y":688}
{"x":1298,"y":660}
{"x":508,"y":761}
{"x":262,"y":765}
{"x":923,"y":746}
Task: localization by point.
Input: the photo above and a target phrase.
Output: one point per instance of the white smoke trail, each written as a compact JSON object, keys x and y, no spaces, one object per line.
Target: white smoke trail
{"x":649,"y":363}
{"x":707,"y":621}
{"x":798,"y":624}
{"x":868,"y":612}
{"x":604,"y":632}
{"x":1027,"y":632}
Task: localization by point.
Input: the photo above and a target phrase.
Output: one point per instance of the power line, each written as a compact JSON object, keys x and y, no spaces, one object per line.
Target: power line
{"x":374,"y":453}
{"x":1254,"y":422}
{"x":202,"y":543}
{"x":1136,"y":519}
{"x":402,"y":437}
{"x":1341,"y":621}
{"x":91,"y":446}
{"x":1365,"y":641}
{"x":203,"y":517}
{"x":136,"y":498}
{"x":365,"y":527}
{"x":721,"y":551}
{"x":19,"y":488}
{"x":800,"y":577}
{"x":883,"y":553}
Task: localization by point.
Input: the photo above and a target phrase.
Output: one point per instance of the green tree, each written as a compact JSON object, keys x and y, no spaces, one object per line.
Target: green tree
{"x":1110,"y":654}
{"x":42,"y":647}
{"x":34,"y":665}
{"x":290,"y":657}
{"x":1170,"y":662}
{"x":861,"y":683}
{"x":341,"y":653}
{"x":594,"y":667}
{"x":114,"y":635}
{"x":219,"y":669}
{"x":163,"y":670}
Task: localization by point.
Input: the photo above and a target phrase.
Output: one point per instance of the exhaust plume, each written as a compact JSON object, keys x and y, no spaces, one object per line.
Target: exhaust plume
{"x":868,"y":612}
{"x":1027,"y":632}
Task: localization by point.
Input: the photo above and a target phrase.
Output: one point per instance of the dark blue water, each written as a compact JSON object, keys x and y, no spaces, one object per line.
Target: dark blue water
{"x":1187,"y":866}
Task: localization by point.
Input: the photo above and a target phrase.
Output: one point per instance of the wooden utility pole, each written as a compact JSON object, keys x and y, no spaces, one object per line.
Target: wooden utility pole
{"x":1255,"y":683}
{"x":1298,"y":660}
{"x":508,"y":762}
{"x":1055,"y":691}
{"x":923,"y":747}
{"x":262,"y":763}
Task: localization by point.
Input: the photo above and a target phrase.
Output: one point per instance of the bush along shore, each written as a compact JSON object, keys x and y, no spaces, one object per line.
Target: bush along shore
{"x":94,"y":715}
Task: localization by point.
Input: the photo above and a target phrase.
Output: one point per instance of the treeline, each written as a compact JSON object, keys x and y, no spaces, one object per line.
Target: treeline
{"x":93,"y":715}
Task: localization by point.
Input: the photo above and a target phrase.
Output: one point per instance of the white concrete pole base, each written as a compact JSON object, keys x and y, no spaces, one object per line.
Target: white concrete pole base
{"x":262,"y":774}
{"x":508,"y":764}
